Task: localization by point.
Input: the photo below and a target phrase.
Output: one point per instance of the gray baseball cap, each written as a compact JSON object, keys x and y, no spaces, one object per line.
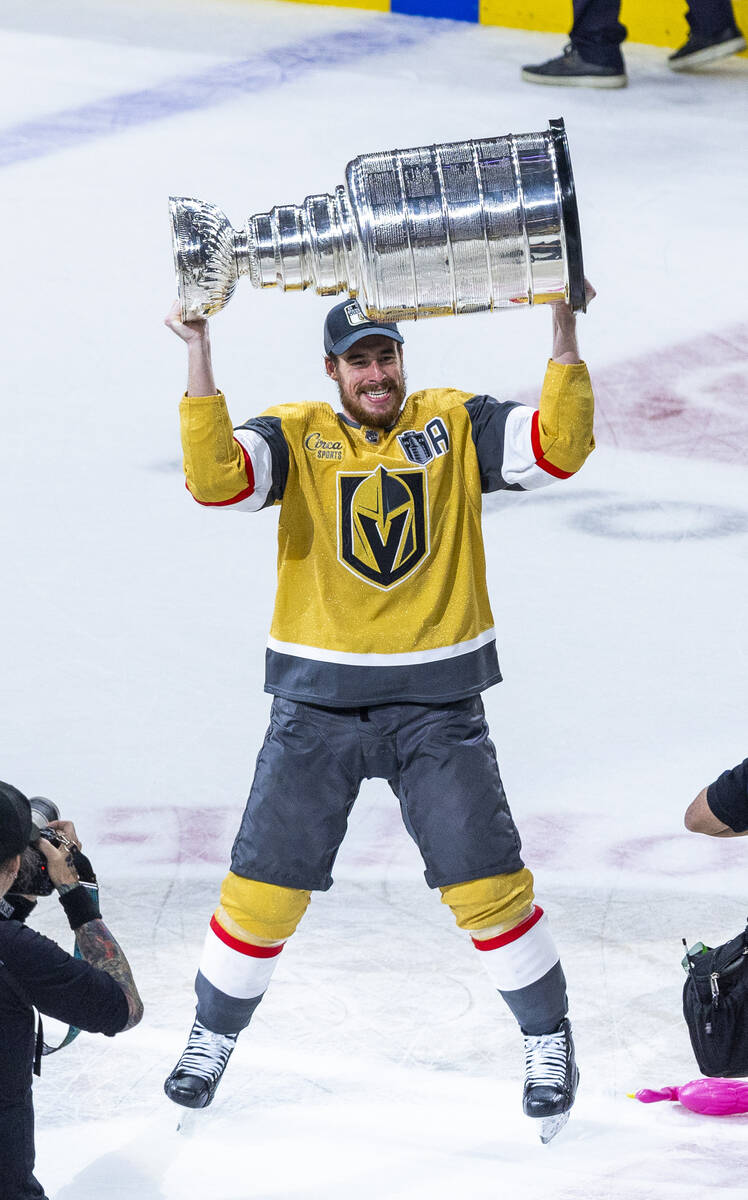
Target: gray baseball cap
{"x":346,"y":323}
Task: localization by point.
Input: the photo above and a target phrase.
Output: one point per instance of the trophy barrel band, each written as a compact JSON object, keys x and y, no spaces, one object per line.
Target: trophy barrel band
{"x":572,"y":233}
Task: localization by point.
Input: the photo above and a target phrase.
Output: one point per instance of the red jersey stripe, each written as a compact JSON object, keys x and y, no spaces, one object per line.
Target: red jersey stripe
{"x":511,"y":935}
{"x":537,"y":450}
{"x":244,"y":947}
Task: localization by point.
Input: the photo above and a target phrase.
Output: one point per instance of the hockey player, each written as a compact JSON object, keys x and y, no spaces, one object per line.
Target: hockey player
{"x":381,"y":643}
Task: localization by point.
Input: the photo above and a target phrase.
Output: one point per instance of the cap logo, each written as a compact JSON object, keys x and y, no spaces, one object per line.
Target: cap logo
{"x":354,"y":316}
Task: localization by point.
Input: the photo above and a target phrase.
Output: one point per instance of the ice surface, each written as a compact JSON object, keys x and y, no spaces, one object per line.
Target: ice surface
{"x":380,"y":1064}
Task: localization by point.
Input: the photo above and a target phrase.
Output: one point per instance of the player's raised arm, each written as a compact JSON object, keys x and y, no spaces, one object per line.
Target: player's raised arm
{"x":525,"y":448}
{"x":562,"y":435}
{"x":196,"y":335}
{"x":565,"y":348}
{"x":218,"y":470}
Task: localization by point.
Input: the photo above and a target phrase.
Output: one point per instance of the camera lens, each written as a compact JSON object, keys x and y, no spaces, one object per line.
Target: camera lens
{"x":42,"y":812}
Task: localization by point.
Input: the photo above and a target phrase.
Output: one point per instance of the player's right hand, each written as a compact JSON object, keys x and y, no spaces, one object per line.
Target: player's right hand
{"x":188,"y":331}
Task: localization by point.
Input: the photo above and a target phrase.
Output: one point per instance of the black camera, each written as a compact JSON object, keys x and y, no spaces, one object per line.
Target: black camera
{"x":33,"y":876}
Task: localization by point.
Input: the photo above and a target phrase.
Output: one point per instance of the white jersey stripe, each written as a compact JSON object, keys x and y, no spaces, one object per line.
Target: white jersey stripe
{"x":411,"y":658}
{"x":262,"y":466}
{"x":523,"y":961}
{"x":236,"y":974}
{"x":519,"y":465}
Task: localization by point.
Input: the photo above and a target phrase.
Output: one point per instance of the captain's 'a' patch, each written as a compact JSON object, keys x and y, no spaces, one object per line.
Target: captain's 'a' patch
{"x":383,"y":528}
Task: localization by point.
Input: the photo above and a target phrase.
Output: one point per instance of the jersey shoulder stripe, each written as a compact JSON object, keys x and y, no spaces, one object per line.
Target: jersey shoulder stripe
{"x":268,"y":430}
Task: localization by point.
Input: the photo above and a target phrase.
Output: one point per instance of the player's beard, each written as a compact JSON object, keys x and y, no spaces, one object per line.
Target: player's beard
{"x":381,"y":418}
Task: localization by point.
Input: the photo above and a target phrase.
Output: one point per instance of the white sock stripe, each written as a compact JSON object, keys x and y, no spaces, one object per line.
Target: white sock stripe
{"x":523,"y":961}
{"x":238,"y":975}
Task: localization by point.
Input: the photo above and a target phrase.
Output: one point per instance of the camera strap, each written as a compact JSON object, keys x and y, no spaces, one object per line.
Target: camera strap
{"x":42,"y":1047}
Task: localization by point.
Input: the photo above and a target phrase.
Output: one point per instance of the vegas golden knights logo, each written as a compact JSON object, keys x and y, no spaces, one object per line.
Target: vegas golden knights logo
{"x":383,"y":531}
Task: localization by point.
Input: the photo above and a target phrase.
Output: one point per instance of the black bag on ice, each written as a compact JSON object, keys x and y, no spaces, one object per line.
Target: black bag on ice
{"x":715,"y":1005}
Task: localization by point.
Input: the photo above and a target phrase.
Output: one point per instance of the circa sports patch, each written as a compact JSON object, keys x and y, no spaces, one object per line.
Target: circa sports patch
{"x":383,"y":525}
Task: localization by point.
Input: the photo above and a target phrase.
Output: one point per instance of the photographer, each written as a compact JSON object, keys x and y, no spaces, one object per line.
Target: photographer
{"x":721,"y":809}
{"x":96,"y":993}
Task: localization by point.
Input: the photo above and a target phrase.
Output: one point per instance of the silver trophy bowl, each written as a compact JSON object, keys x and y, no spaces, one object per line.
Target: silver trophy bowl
{"x":456,"y":228}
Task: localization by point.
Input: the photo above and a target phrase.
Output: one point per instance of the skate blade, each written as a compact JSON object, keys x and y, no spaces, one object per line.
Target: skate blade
{"x":550,"y":1126}
{"x":186,"y":1123}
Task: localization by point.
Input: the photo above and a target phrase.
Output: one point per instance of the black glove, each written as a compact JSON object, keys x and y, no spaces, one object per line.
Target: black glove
{"x":83,"y":866}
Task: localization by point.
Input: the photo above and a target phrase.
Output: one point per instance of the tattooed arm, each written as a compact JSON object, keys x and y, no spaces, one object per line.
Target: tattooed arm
{"x":100,"y":949}
{"x":96,"y":943}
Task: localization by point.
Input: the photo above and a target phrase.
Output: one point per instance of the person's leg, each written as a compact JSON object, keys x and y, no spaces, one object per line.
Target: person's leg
{"x":17,"y":1151}
{"x":296,"y":816}
{"x":713,"y":35}
{"x":710,"y":17}
{"x":244,"y":939}
{"x":517,"y":947}
{"x":597,"y":33}
{"x":455,"y":807}
{"x":520,"y":955}
{"x":593,"y":56}
{"x":592,"y":59}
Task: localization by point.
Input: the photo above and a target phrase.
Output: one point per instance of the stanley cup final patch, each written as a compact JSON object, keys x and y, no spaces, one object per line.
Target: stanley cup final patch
{"x":416,"y":445}
{"x":383,"y":528}
{"x":353,"y":314}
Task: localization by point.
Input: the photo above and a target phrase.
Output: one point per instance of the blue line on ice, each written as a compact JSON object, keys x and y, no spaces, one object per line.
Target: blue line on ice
{"x":225,"y":81}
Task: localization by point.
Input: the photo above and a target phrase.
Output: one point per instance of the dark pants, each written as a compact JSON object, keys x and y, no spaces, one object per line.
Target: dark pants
{"x":17,"y":1180}
{"x":597,"y":32}
{"x":438,"y":760}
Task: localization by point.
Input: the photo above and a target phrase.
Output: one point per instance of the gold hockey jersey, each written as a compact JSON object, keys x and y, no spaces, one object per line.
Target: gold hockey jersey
{"x":381,"y":572}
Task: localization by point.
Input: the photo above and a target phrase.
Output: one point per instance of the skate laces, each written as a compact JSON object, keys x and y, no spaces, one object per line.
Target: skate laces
{"x":545,"y":1059}
{"x":206,"y":1053}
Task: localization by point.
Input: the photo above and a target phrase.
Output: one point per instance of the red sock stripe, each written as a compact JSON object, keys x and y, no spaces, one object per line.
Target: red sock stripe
{"x":244,"y":947}
{"x":537,"y":450}
{"x":511,"y":935}
{"x":248,"y":491}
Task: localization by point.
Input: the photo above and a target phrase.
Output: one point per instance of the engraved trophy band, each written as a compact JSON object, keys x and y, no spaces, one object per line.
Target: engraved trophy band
{"x":455,"y":228}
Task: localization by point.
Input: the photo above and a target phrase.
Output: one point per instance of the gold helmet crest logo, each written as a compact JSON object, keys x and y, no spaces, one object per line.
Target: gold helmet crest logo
{"x":383,"y":524}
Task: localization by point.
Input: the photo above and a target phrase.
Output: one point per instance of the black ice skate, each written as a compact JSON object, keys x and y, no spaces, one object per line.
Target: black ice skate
{"x":196,"y":1076}
{"x":551,"y":1079}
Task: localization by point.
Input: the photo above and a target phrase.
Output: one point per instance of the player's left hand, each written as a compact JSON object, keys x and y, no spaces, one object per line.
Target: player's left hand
{"x":562,"y":307}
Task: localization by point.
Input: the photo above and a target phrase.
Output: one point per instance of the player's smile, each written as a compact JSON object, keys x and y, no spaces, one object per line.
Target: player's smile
{"x":370,"y":380}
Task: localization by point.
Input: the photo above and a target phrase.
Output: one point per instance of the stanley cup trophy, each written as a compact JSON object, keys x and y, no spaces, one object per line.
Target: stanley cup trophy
{"x":455,"y":228}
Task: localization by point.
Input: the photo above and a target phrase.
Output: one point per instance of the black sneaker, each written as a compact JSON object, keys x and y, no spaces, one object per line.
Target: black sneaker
{"x":196,"y":1076}
{"x":570,"y":70}
{"x":551,"y":1079}
{"x":700,"y":50}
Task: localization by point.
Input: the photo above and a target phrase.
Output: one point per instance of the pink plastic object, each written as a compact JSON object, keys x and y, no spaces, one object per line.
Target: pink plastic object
{"x":714,"y":1097}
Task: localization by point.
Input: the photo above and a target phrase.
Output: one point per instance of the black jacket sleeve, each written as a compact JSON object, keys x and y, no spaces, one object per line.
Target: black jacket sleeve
{"x":728,"y":798}
{"x":60,"y":986}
